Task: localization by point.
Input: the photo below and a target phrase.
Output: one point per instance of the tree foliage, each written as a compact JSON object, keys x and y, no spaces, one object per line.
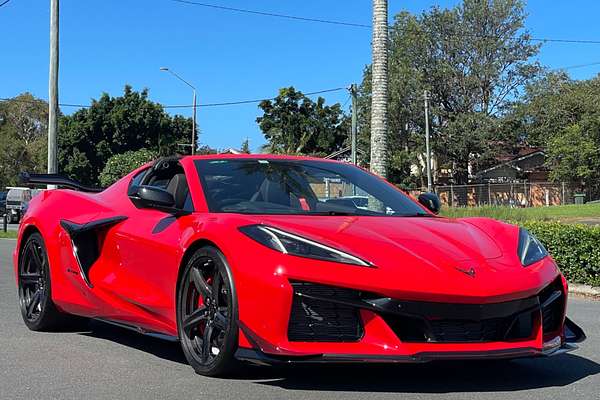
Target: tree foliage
{"x":294,"y":124}
{"x":473,"y":59}
{"x":23,"y":137}
{"x":562,"y":116}
{"x":115,"y":125}
{"x":120,"y":165}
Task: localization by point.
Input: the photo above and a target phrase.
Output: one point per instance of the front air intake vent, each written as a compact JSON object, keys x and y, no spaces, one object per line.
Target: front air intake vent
{"x":314,"y":319}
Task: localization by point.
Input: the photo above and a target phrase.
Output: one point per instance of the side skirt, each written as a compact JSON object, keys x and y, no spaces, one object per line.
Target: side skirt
{"x":138,"y":329}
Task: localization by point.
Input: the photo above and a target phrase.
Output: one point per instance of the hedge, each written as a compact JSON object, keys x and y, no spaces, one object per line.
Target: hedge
{"x":575,"y":247}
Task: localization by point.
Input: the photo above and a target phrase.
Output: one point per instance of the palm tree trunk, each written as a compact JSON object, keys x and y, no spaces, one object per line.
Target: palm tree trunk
{"x":379,"y":101}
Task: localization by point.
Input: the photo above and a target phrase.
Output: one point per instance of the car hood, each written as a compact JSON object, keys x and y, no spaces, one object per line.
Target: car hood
{"x":430,"y":239}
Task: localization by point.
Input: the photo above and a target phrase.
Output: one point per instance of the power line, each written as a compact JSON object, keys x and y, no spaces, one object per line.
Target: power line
{"x":577,"y":66}
{"x":358,"y":25}
{"x":4,"y":2}
{"x":271,"y":14}
{"x":201,"y":105}
{"x":251,"y":101}
{"x":233,"y":103}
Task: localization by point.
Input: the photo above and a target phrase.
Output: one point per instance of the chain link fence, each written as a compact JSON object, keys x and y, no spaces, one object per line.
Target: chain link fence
{"x":516,"y":194}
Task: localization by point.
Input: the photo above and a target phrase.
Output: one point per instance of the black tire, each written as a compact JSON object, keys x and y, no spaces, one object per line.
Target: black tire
{"x":35,"y":300}
{"x":207,"y":313}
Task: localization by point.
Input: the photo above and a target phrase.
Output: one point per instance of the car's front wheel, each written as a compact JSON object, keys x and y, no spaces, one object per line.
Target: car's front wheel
{"x":37,"y":308}
{"x":207,"y":313}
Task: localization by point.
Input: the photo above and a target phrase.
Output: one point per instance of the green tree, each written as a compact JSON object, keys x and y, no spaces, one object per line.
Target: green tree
{"x":115,"y":125}
{"x":473,"y":59}
{"x":23,"y":137}
{"x":294,"y":124}
{"x":573,"y":155}
{"x":562,"y":116}
{"x":120,"y":165}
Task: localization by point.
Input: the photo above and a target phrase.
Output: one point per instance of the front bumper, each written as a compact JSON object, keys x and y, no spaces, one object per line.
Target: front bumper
{"x":530,"y":327}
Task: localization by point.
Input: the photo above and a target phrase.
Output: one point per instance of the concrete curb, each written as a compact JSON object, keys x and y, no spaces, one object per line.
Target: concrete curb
{"x":584,"y":291}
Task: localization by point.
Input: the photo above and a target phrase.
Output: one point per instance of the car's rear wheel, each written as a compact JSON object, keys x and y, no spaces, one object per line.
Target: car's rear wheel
{"x":207,"y":313}
{"x":38,"y":311}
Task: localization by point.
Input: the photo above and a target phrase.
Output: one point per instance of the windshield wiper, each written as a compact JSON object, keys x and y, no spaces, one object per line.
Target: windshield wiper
{"x":415,"y":215}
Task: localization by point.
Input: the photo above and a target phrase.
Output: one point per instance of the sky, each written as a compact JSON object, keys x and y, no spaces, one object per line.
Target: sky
{"x":230,"y":56}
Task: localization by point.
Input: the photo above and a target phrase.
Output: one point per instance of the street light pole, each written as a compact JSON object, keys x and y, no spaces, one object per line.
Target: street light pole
{"x":193,"y":142}
{"x":427,"y":147}
{"x":194,"y":125}
{"x":354,"y":124}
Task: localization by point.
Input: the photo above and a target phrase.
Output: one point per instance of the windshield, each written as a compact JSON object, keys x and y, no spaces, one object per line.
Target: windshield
{"x":267,"y":186}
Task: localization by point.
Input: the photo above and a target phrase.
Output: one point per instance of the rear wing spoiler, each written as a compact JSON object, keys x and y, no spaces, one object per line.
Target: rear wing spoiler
{"x":55,"y":179}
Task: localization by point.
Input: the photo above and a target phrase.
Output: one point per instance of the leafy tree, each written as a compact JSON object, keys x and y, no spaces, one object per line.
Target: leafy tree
{"x":294,"y":124}
{"x":23,"y":137}
{"x":473,"y":59}
{"x":115,"y":125}
{"x":573,"y":154}
{"x":120,"y":165}
{"x":562,"y":116}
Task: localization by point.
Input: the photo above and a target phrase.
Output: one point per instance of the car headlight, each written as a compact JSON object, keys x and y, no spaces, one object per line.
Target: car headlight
{"x":288,"y":243}
{"x":530,"y":248}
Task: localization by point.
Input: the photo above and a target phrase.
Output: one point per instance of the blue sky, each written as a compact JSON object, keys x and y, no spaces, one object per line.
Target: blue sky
{"x":230,"y":56}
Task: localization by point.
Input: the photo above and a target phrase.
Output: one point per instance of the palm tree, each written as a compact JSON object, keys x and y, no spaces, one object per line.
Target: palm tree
{"x":379,"y":101}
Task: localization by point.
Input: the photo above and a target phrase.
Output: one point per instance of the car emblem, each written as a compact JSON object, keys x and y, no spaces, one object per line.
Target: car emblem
{"x":471,"y":271}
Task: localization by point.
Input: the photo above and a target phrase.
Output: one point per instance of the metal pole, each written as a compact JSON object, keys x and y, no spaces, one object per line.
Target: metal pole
{"x":194,"y":126}
{"x":53,"y":90}
{"x":193,"y":143}
{"x":427,"y":148}
{"x":354,"y":122}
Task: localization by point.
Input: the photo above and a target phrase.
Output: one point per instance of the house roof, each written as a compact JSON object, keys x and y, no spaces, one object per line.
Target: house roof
{"x":523,"y":154}
{"x":343,"y":151}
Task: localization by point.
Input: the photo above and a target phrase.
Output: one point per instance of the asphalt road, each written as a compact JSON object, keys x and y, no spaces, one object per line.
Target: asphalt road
{"x":105,"y":362}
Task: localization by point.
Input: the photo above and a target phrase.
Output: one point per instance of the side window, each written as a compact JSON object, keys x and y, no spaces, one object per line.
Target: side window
{"x":136,"y":181}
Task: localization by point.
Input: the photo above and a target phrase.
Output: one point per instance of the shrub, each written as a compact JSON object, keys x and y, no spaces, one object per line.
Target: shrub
{"x":576,"y":248}
{"x":120,"y":165}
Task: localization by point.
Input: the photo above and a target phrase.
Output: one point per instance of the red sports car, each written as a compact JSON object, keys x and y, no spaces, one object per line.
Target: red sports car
{"x":271,"y":259}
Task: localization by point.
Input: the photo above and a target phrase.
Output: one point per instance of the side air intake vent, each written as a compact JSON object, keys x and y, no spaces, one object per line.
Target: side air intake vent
{"x":85,"y":241}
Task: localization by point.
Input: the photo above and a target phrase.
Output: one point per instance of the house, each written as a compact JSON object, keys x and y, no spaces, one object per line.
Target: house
{"x":345,"y":155}
{"x":528,"y":165}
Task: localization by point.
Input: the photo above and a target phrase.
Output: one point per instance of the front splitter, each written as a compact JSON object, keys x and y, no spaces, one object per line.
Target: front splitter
{"x":258,"y":357}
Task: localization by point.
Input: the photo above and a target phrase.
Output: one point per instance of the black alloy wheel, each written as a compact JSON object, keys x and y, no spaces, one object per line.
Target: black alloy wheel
{"x":207,"y":313}
{"x":37,"y":309}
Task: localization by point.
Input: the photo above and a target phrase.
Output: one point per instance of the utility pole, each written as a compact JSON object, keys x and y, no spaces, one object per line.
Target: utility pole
{"x":354,"y":123}
{"x":427,"y":147}
{"x":194,"y":125}
{"x":53,"y":90}
{"x":193,"y":142}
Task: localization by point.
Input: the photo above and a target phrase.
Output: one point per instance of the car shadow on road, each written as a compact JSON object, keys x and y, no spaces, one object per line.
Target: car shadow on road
{"x":435,"y":377}
{"x":160,"y":348}
{"x":440,"y":377}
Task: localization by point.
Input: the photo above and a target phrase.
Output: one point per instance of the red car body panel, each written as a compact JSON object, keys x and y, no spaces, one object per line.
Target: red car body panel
{"x":135,"y":278}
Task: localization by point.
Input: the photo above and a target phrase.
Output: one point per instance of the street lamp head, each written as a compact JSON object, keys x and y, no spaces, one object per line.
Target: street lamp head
{"x":164,"y":68}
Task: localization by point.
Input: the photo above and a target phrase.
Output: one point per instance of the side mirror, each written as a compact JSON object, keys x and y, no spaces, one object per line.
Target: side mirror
{"x":431,"y":202}
{"x":153,"y":197}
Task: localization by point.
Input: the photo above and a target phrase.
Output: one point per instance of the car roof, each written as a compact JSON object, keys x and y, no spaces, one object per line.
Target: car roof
{"x":255,"y":157}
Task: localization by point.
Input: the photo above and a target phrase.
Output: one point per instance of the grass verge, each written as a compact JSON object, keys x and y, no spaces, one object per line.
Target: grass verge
{"x":8,"y":235}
